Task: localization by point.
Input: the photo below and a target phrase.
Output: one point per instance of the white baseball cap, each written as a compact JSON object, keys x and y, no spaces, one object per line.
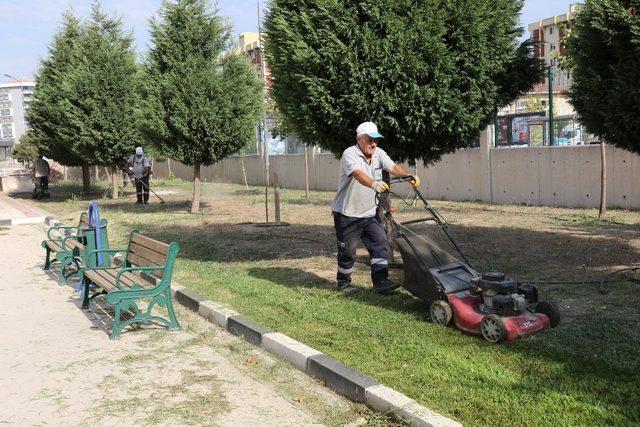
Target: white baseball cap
{"x":369,"y":128}
{"x":139,"y":151}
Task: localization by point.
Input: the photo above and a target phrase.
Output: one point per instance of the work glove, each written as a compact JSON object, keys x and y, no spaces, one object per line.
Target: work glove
{"x":380,"y":186}
{"x":415,"y":181}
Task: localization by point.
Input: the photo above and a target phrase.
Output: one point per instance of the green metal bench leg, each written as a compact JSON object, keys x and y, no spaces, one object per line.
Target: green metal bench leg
{"x":117,"y":324}
{"x":85,"y":300}
{"x":47,"y":263}
{"x":174,"y":324}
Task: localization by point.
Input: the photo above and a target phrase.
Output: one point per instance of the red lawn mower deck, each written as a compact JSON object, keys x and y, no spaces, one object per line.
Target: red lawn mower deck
{"x":493,"y":305}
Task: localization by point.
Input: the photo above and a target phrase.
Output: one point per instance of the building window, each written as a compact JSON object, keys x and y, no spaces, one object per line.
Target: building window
{"x":550,"y":30}
{"x":552,"y":62}
{"x":5,"y":97}
{"x":7,"y":130}
{"x":6,"y":112}
{"x":552,"y":47}
{"x":520,"y":103}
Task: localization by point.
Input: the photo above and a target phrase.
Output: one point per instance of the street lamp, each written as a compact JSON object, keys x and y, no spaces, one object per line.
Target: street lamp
{"x":16,"y":79}
{"x":551,"y":118}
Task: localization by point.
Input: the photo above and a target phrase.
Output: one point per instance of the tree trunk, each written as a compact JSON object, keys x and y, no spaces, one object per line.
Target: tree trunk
{"x":244,"y":173}
{"x":306,"y":172}
{"x":115,"y":180}
{"x":97,"y":173}
{"x":86,"y":179}
{"x":65,"y":171}
{"x":169,"y":167}
{"x":603,"y":181}
{"x":153,"y":160}
{"x":195,"y":204}
{"x":106,"y":172}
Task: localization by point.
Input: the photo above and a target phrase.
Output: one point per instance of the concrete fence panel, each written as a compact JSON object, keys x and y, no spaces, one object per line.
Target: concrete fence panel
{"x":545,"y":176}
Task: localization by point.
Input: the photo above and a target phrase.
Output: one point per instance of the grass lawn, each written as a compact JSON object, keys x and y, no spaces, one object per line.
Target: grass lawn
{"x":585,"y":372}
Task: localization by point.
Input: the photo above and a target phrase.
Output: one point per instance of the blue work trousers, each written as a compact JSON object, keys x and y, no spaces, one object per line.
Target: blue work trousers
{"x":350,"y":232}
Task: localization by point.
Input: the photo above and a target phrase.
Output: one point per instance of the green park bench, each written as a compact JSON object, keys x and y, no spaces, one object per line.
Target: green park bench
{"x":68,"y":245}
{"x":144,"y":275}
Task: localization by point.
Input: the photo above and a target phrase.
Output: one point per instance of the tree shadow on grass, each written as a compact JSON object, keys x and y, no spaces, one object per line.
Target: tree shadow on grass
{"x":169,"y":207}
{"x":582,"y":252}
{"x":244,"y":242}
{"x":597,"y":351}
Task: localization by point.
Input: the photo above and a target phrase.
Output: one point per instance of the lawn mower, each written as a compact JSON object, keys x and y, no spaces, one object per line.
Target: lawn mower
{"x":492,"y":304}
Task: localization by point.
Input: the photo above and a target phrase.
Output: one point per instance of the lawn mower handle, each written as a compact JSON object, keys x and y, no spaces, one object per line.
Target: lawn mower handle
{"x":435,"y":216}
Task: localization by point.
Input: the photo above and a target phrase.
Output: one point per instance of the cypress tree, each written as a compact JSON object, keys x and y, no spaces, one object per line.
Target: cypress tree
{"x":199,"y":105}
{"x":51,"y":132}
{"x":431,"y":73}
{"x":104,"y":94}
{"x":603,"y":56}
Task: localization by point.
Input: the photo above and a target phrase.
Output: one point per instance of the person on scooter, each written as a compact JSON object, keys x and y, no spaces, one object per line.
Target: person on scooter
{"x":140,"y":168}
{"x":354,"y":208}
{"x":41,"y":170}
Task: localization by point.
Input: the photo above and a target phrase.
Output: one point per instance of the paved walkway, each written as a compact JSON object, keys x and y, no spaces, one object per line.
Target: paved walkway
{"x":58,"y":365}
{"x":13,"y":211}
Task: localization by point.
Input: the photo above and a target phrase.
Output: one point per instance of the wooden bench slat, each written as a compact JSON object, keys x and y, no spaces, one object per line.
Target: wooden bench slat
{"x":151,"y":255}
{"x":104,"y":282}
{"x":150,"y":243}
{"x":128,"y":279}
{"x":56,"y":246}
{"x":75,"y":243}
{"x":143,"y":262}
{"x":107,"y":279}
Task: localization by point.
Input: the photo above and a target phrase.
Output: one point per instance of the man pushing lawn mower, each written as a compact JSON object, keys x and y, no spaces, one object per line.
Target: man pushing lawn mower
{"x":354,"y":208}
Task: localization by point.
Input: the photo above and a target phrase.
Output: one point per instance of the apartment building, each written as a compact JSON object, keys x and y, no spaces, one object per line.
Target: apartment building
{"x":526,"y":121}
{"x":14,"y":103}
{"x":249,"y":44}
{"x":549,"y":33}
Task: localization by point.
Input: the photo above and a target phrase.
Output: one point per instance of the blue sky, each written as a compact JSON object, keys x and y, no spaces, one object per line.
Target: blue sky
{"x":28,"y":25}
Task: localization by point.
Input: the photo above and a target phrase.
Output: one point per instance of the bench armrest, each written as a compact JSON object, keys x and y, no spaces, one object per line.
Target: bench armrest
{"x":64,"y":240}
{"x":132,"y":269}
{"x":60,"y":227}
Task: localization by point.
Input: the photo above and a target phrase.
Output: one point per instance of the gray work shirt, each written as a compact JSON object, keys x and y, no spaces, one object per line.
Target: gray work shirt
{"x":42,"y":167}
{"x":354,"y":199}
{"x":138,"y":163}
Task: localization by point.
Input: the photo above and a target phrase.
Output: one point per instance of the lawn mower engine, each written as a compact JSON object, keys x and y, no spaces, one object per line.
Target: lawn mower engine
{"x":500,"y":309}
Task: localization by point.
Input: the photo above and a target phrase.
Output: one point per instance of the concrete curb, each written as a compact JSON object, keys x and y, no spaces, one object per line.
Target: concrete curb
{"x":215,"y":313}
{"x":340,"y":378}
{"x":336,"y":375}
{"x":288,"y":349}
{"x":22,"y":221}
{"x":246,"y":328}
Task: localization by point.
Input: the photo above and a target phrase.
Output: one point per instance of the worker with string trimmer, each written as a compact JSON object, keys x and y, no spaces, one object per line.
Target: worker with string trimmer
{"x":140,"y":168}
{"x":354,"y":208}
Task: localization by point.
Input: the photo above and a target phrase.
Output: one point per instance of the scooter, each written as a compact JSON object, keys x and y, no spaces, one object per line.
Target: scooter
{"x":493,"y":305}
{"x":41,"y":189}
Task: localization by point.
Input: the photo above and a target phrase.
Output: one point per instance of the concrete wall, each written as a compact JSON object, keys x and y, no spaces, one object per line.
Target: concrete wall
{"x":545,"y":176}
{"x":17,"y":183}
